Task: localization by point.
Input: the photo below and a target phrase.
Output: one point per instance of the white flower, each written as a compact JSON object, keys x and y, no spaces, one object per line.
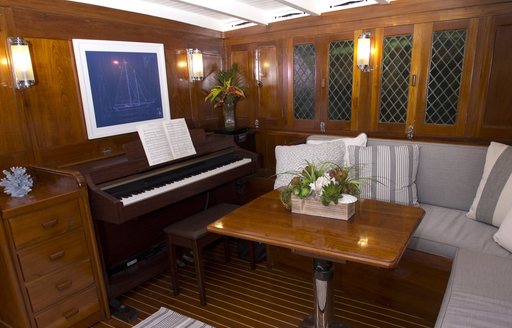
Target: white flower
{"x":319,"y":184}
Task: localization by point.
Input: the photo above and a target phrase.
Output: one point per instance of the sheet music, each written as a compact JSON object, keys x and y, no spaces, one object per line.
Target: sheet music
{"x":165,"y":141}
{"x":179,"y":138}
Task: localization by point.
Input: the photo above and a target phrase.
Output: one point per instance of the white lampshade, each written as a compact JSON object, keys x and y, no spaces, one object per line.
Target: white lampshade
{"x":363,"y":52}
{"x":195,"y":64}
{"x":23,"y":72}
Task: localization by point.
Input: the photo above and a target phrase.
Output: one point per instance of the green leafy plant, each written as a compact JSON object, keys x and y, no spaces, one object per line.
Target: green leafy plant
{"x":326,"y":181}
{"x":228,"y":87}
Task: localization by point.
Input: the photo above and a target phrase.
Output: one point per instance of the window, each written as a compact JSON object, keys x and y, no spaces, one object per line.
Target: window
{"x":341,"y":63}
{"x":304,"y":66}
{"x":444,"y":78}
{"x":394,"y":88}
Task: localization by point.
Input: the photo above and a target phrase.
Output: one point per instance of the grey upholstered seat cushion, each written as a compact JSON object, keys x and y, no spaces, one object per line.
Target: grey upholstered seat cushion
{"x":443,"y":230}
{"x":479,"y":292}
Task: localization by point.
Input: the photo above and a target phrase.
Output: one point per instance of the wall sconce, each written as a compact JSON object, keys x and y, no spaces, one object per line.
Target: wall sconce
{"x":195,"y":64}
{"x":21,"y":63}
{"x":363,"y":52}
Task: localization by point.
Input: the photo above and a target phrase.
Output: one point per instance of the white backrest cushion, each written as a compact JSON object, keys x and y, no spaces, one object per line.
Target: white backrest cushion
{"x":360,"y":140}
{"x":504,"y":234}
{"x":493,"y":199}
{"x":291,"y":159}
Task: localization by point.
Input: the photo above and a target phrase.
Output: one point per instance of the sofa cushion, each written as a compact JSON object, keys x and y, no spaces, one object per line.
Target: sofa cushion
{"x":360,"y":140}
{"x":293,"y":158}
{"x":443,"y":230}
{"x":389,"y":171}
{"x":441,"y":179}
{"x":492,"y":200}
{"x":479,"y":293}
{"x":504,"y":235}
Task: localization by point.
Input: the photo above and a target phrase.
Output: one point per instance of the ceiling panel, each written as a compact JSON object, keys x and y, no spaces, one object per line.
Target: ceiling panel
{"x":227,"y":15}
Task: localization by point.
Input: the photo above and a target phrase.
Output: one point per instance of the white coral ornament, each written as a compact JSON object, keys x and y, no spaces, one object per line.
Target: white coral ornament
{"x":18,"y":183}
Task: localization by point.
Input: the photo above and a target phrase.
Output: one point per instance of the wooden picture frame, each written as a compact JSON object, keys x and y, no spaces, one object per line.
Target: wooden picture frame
{"x":122,"y":84}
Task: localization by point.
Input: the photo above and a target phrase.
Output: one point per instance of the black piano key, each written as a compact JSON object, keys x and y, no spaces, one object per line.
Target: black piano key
{"x":148,"y":183}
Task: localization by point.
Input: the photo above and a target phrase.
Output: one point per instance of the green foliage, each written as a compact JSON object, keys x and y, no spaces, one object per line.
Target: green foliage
{"x":327,"y":181}
{"x":229,"y":87}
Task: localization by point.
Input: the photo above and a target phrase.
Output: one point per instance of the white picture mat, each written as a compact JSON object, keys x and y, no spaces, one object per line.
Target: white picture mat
{"x":80,"y":47}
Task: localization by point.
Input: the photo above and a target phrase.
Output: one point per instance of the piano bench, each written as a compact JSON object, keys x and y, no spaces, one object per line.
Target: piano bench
{"x":191,"y":233}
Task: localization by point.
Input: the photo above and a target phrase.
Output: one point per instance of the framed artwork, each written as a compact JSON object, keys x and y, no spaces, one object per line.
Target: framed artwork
{"x":123,"y":84}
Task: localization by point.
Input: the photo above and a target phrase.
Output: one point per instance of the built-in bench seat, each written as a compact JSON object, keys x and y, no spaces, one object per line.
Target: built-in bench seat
{"x":444,"y":230}
{"x":479,"y":293}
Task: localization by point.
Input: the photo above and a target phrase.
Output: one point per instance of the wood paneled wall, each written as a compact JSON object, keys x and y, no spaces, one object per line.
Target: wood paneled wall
{"x":485,"y":105}
{"x":44,"y":124}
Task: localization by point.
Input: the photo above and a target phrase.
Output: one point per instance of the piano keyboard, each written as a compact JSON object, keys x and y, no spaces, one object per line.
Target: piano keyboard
{"x":129,"y":195}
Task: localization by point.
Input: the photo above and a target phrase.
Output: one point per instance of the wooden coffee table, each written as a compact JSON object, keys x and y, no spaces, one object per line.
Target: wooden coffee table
{"x":376,"y":235}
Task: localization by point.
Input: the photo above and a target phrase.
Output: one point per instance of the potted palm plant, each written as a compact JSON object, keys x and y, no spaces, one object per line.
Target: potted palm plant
{"x":227,"y":88}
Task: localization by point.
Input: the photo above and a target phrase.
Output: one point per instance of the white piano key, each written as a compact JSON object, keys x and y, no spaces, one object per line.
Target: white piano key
{"x":178,"y":184}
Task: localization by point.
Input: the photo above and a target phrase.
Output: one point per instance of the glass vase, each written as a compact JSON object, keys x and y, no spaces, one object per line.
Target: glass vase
{"x":228,"y":111}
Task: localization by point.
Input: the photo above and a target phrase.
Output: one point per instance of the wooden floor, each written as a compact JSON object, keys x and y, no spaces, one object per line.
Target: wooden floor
{"x":240,"y":297}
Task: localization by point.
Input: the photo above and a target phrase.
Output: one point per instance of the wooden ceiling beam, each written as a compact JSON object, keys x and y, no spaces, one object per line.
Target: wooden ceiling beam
{"x":157,"y":10}
{"x":308,"y":6}
{"x":232,"y":8}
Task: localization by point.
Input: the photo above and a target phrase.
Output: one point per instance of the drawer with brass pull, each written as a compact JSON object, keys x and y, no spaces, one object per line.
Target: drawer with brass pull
{"x":70,"y":311}
{"x":41,"y":259}
{"x":56,"y":286}
{"x":51,"y":272}
{"x":42,"y":225}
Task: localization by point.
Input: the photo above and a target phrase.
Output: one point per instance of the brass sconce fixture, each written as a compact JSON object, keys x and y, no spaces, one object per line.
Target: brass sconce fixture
{"x":21,"y":63}
{"x":364,"y":52}
{"x":195,"y":64}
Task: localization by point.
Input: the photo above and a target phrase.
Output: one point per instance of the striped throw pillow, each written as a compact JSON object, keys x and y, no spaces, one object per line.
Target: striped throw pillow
{"x":493,"y":197}
{"x":389,"y":172}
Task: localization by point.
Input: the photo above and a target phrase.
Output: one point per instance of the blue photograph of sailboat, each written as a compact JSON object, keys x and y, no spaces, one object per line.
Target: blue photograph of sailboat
{"x":125,"y":87}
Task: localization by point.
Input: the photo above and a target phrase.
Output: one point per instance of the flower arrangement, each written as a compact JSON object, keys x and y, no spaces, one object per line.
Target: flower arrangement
{"x":325,"y":181}
{"x":18,"y":183}
{"x":228,"y":87}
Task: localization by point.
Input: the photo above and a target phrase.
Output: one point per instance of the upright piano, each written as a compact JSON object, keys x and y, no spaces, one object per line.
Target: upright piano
{"x":131,"y":202}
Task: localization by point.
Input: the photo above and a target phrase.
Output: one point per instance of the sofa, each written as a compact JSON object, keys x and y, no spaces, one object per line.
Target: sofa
{"x":479,"y":291}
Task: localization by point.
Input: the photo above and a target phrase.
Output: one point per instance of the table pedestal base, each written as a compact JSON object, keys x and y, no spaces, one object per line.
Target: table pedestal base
{"x":309,"y":322}
{"x":323,"y":315}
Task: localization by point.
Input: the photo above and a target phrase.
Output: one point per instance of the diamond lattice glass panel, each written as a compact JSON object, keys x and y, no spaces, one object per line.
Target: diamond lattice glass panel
{"x":444,"y":79}
{"x":394,"y":90}
{"x":304,"y":58}
{"x":341,"y":62}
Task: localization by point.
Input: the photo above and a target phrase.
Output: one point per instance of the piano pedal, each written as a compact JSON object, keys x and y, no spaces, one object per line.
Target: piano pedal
{"x":189,"y":258}
{"x":180,"y":263}
{"x":122,"y":311}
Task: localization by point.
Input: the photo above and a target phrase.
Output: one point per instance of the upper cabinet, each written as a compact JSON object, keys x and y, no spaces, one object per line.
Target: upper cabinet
{"x":391,"y":75}
{"x":261,"y":65}
{"x":493,"y":97}
{"x":439,"y":70}
{"x":422,"y":78}
{"x":324,"y":81}
{"x":444,"y":77}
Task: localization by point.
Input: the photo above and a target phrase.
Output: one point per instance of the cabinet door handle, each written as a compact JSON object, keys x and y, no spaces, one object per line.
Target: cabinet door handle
{"x":413,"y":80}
{"x":57,"y":255}
{"x":64,"y":285}
{"x":50,"y":224}
{"x":70,"y":313}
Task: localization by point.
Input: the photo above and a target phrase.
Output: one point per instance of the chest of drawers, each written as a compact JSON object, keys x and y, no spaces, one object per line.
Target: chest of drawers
{"x":50,"y":272}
